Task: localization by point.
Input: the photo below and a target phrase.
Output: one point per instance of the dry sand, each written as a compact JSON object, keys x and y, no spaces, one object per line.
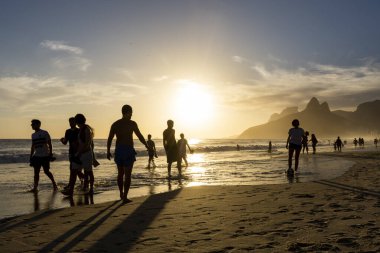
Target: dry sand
{"x":325,"y":216}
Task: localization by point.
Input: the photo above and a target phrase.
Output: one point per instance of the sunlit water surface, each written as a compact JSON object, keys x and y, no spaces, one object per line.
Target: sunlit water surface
{"x":214,"y":162}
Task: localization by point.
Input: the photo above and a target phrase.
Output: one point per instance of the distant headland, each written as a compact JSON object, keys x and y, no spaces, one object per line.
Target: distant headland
{"x":319,"y":119}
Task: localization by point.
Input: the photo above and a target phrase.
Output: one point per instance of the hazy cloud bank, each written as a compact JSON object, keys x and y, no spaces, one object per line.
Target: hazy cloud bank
{"x":32,"y":93}
{"x":278,"y":87}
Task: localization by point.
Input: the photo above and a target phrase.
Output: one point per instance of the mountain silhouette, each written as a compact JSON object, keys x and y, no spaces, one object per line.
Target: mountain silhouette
{"x":286,"y":111}
{"x":319,"y":119}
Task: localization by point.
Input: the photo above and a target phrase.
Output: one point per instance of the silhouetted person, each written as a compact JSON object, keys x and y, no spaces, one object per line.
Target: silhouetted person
{"x":41,"y":154}
{"x":314,"y":142}
{"x":71,"y":137}
{"x":305,"y":143}
{"x":83,"y":158}
{"x":361,"y":142}
{"x":270,"y":147}
{"x":294,"y":144}
{"x":355,"y":142}
{"x":339,"y":144}
{"x":171,"y":149}
{"x":182,"y":144}
{"x":375,"y":141}
{"x":151,"y":151}
{"x":125,"y":154}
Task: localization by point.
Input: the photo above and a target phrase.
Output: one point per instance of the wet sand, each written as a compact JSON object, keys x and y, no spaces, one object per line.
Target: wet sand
{"x":342,"y":214}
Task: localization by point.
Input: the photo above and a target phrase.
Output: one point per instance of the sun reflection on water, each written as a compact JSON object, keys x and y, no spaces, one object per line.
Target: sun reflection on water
{"x":196,"y":158}
{"x":194,"y":141}
{"x":196,"y":170}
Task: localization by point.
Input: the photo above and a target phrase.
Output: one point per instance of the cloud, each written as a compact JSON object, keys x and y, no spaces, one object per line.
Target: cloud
{"x":25,"y":94}
{"x":72,"y":59}
{"x":237,"y":59}
{"x":61,"y":46}
{"x":278,"y":87}
{"x":160,"y":78}
{"x":80,"y":63}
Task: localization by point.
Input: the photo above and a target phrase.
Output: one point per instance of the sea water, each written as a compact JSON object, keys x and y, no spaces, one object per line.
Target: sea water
{"x":214,"y":162}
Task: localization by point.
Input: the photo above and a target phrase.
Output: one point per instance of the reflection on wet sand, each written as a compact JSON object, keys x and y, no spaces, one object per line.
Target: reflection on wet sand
{"x":80,"y":199}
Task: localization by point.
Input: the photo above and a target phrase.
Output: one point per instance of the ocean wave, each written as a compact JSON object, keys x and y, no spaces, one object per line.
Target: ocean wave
{"x":61,"y":155}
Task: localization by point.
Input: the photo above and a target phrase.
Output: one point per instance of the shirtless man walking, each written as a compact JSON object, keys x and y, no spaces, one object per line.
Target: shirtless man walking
{"x":125,"y":154}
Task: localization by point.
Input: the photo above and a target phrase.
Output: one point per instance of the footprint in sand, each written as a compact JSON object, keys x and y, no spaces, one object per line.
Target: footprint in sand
{"x":349,"y":242}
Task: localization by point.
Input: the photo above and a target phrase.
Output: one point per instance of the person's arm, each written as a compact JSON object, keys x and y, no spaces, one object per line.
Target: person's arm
{"x":50,"y":148}
{"x":287,"y":142}
{"x":109,"y":142}
{"x":187,"y":144}
{"x":31,"y":151}
{"x":140,"y":136}
{"x":64,"y":140}
{"x":154,"y":148}
{"x":164,"y":141}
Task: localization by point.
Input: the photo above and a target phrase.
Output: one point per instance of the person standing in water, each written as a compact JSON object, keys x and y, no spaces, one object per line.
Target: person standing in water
{"x":339,"y":144}
{"x":171,"y":148}
{"x":151,"y":151}
{"x":182,"y":144}
{"x":294,"y":144}
{"x":305,"y":143}
{"x":41,"y":154}
{"x":125,"y":154}
{"x":314,"y":142}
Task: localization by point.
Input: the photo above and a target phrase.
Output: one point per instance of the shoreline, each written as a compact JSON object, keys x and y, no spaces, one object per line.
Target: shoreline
{"x":23,"y":202}
{"x":340,"y":214}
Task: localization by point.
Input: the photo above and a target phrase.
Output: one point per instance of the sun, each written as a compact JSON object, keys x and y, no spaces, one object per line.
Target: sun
{"x":194,"y":103}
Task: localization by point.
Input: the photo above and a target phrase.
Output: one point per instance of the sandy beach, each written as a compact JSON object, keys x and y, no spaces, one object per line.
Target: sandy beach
{"x":324,"y":216}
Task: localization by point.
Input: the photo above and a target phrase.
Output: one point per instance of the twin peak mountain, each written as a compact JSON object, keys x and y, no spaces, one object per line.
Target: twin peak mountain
{"x":317,"y":118}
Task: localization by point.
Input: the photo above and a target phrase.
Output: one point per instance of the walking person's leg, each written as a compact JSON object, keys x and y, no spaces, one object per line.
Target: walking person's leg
{"x":37,"y":169}
{"x":169,"y":169}
{"x":90,"y":175}
{"x":296,"y":158}
{"x":179,"y":166}
{"x":127,"y":182}
{"x":46,"y":168}
{"x":290,"y":157}
{"x":120,"y":180}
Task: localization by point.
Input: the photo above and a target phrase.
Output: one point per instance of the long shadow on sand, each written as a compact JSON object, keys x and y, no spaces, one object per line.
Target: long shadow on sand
{"x":79,"y":227}
{"x":349,"y":188}
{"x":124,"y":236}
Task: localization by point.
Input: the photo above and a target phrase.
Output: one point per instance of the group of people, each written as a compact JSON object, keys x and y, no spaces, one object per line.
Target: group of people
{"x":305,"y":142}
{"x":81,"y":151}
{"x":175,"y":151}
{"x":360,"y":142}
{"x":338,"y":144}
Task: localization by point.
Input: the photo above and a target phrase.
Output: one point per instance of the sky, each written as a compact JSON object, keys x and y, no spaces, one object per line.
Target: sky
{"x":214,"y":67}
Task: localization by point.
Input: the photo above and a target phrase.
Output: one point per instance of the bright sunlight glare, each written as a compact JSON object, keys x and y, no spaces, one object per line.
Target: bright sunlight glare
{"x":194,"y":141}
{"x":194,"y":103}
